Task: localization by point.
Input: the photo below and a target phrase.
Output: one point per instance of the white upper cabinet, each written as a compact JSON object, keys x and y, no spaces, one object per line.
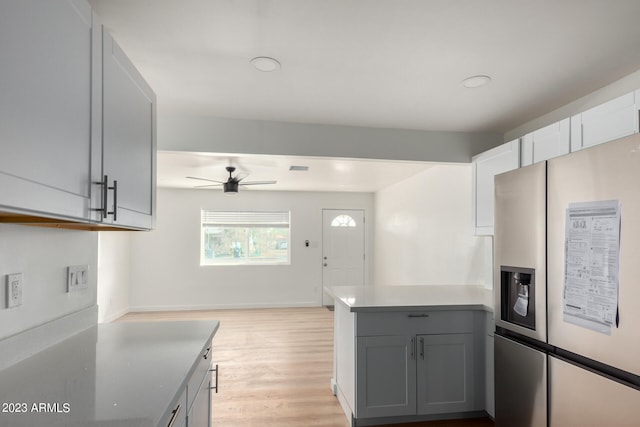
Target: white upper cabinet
{"x":486,"y":165}
{"x":543,"y":144}
{"x":128,"y":142}
{"x":45,"y":107}
{"x":606,"y":122}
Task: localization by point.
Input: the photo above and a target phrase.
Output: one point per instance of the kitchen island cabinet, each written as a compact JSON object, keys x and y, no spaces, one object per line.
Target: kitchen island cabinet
{"x":410,"y":353}
{"x":142,"y":374}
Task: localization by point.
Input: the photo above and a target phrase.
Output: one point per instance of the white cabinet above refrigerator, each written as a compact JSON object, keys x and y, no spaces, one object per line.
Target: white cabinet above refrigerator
{"x":606,"y":122}
{"x":486,"y":166}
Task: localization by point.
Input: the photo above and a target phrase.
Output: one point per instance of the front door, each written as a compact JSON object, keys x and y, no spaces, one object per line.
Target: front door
{"x":342,"y":249}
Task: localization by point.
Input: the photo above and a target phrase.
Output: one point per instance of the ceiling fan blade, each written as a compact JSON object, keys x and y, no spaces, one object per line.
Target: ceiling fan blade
{"x":204,"y":179}
{"x":258,"y":182}
{"x":208,"y":185}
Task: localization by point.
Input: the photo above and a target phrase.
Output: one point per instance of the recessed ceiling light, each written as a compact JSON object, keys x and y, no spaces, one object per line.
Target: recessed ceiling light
{"x":476,"y":81}
{"x":299,"y":168}
{"x":266,"y":64}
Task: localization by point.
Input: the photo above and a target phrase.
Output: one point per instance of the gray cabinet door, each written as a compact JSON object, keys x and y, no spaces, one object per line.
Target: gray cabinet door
{"x":445,"y":373}
{"x":200,"y":412}
{"x":45,"y":107}
{"x":385,"y":376}
{"x":128,"y":132}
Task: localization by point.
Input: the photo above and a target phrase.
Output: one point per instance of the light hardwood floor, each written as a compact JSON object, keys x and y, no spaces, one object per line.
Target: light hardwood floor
{"x":275,"y":368}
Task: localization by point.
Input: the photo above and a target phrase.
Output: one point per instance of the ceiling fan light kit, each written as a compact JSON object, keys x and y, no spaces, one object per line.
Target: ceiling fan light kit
{"x":230,"y":188}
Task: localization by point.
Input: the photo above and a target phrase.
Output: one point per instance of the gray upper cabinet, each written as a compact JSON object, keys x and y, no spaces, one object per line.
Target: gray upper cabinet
{"x":543,"y":144}
{"x":45,"y":107}
{"x":128,"y":143}
{"x":612,"y":120}
{"x":73,"y":110}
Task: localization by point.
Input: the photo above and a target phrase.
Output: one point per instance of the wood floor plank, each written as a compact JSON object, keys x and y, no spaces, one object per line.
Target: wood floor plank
{"x":275,"y":368}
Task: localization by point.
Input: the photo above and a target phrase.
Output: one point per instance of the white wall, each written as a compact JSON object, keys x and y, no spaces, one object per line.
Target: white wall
{"x":42,"y":255}
{"x":423,"y":232}
{"x":114,"y":274}
{"x":165,"y":263}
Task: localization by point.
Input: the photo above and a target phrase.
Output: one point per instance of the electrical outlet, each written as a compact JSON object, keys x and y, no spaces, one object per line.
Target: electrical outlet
{"x":77,"y":277}
{"x":14,"y":290}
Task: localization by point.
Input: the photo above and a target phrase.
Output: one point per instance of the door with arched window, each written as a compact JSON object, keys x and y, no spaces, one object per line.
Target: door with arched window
{"x":343,"y":249}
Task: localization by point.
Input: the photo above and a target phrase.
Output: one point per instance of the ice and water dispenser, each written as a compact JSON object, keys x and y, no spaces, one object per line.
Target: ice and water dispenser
{"x":518,"y":296}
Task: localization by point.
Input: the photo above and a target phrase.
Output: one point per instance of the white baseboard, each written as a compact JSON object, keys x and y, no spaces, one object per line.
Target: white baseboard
{"x":113,"y":316}
{"x":144,"y":308}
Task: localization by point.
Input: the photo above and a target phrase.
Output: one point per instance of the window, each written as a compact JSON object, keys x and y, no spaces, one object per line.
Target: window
{"x":244,"y":238}
{"x":343,"y":221}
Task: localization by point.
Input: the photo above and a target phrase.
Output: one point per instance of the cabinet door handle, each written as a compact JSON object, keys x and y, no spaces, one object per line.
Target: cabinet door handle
{"x":174,"y":415}
{"x":207,"y":353}
{"x":418,"y":315}
{"x":215,"y":387}
{"x":422,"y":348}
{"x":115,"y":199}
{"x":105,"y":189}
{"x":105,"y":185}
{"x":413,"y":348}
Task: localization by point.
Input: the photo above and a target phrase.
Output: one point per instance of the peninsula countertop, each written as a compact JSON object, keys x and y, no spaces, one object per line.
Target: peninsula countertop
{"x":407,"y":298}
{"x":117,"y":374}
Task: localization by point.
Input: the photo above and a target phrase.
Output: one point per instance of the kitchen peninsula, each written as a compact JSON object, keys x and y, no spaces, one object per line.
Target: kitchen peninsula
{"x":142,"y":374}
{"x":411,"y":353}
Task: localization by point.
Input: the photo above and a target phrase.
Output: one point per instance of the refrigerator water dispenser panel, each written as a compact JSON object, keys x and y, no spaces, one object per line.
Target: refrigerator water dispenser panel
{"x":517,"y":290}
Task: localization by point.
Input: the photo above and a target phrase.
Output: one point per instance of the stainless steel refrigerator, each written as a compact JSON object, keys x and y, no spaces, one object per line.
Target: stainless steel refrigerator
{"x":567,"y":288}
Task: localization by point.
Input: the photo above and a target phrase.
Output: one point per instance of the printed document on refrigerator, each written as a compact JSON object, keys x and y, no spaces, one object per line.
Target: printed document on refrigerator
{"x":592,"y":248}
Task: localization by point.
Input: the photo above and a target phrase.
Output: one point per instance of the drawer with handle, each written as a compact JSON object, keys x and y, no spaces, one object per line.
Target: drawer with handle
{"x":413,"y":322}
{"x":203,"y":368}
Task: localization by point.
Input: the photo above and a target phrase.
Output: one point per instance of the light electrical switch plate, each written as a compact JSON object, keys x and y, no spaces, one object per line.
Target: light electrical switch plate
{"x":14,"y":290}
{"x":77,"y":277}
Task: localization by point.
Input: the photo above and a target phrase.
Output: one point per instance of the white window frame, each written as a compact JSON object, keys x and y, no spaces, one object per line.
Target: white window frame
{"x":244,"y":219}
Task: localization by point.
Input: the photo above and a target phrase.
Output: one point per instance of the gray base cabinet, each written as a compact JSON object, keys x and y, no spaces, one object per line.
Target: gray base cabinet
{"x":401,"y":375}
{"x":200,"y":412}
{"x":445,"y":374}
{"x":419,"y":363}
{"x":386,"y":376}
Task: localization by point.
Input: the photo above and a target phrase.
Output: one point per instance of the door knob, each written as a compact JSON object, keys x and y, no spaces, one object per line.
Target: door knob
{"x":325,"y":258}
{"x":325,"y":264}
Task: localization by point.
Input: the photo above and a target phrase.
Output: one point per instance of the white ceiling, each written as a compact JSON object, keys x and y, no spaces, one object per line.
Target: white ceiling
{"x":376,"y":63}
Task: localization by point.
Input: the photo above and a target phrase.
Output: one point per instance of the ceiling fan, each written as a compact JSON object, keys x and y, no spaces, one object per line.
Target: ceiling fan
{"x":232,"y":183}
